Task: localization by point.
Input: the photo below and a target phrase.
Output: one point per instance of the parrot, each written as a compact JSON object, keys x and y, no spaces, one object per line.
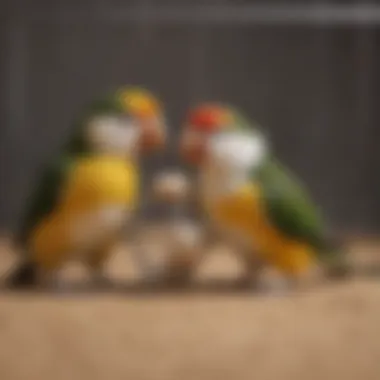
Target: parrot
{"x":248,"y":195}
{"x":90,"y":189}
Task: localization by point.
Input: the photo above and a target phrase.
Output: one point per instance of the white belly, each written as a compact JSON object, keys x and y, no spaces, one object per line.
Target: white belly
{"x":92,"y":229}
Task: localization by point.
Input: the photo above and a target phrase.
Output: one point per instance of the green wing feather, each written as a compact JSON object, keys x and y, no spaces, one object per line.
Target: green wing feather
{"x":77,"y":144}
{"x":44,"y":198}
{"x":289,"y":207}
{"x":46,"y":195}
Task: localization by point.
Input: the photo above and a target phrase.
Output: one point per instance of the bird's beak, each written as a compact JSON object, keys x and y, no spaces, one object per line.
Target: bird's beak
{"x":154,"y":134}
{"x":192,"y":147}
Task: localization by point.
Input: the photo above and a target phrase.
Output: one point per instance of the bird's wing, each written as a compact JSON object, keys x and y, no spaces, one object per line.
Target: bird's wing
{"x":289,"y":208}
{"x":45,"y":197}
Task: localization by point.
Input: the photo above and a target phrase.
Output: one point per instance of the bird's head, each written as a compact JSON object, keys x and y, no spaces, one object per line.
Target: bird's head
{"x":205,"y":123}
{"x":127,"y":119}
{"x":147,"y":112}
{"x":202,"y":123}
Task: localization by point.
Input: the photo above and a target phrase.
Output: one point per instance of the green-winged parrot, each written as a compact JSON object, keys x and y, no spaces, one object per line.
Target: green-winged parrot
{"x":248,"y":194}
{"x":91,"y":188}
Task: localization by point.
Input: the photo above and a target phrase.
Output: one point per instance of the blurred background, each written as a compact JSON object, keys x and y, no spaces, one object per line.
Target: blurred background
{"x":306,"y":70}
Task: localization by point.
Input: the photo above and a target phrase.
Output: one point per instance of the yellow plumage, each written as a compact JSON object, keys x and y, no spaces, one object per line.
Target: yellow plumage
{"x":95,"y":183}
{"x":243,"y":211}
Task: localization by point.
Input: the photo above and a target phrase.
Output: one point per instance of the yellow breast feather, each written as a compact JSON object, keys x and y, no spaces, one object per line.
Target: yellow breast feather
{"x":245,"y":211}
{"x":97,"y":181}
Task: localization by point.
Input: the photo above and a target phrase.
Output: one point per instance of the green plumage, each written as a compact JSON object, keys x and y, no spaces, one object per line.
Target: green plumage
{"x":292,"y":212}
{"x":109,"y":105}
{"x":289,"y":207}
{"x":45,"y":196}
{"x":288,"y":204}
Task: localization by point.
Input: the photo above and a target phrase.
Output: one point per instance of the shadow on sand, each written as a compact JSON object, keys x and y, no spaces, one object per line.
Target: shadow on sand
{"x":140,"y":289}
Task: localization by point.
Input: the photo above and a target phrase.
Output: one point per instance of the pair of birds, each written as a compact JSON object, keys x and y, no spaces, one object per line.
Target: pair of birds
{"x":90,"y":192}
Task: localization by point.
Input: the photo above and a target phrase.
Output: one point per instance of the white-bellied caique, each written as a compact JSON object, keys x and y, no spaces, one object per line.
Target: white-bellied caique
{"x":88,"y":193}
{"x":248,"y":195}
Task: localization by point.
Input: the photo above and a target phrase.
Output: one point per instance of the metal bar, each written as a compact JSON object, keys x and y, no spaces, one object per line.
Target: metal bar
{"x":316,"y":136}
{"x":315,"y":15}
{"x":365,"y":45}
{"x":198,"y":83}
{"x":15,"y":114}
{"x":17,"y":56}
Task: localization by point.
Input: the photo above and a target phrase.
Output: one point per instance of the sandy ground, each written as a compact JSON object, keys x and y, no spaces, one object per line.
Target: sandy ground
{"x":332,"y":332}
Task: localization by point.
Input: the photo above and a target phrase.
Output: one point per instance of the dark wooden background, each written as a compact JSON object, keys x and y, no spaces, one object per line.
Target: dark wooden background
{"x":313,"y":83}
